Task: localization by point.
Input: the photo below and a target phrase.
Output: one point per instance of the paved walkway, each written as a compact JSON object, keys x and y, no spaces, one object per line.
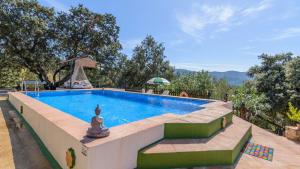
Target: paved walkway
{"x":286,"y":152}
{"x":17,"y":147}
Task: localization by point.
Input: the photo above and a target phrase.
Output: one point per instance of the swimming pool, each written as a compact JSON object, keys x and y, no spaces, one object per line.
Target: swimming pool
{"x":117,"y":107}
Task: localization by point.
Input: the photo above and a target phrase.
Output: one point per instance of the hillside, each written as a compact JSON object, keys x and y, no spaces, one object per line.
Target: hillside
{"x":234,"y":78}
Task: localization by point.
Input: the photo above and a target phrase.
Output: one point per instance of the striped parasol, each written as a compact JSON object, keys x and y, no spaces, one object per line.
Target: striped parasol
{"x":158,"y":81}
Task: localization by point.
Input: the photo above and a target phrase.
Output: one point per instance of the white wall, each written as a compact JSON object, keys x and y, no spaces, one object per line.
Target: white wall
{"x":122,"y":152}
{"x":54,"y":138}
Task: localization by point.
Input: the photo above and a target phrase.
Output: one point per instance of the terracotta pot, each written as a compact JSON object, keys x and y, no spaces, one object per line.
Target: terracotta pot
{"x":298,"y":125}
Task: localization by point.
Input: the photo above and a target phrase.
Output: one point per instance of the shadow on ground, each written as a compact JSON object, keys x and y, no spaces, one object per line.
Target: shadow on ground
{"x":25,"y":151}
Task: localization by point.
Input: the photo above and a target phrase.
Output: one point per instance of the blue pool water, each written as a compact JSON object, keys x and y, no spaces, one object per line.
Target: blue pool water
{"x":117,"y":107}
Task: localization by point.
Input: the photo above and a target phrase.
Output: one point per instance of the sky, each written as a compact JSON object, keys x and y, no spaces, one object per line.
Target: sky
{"x":214,"y":35}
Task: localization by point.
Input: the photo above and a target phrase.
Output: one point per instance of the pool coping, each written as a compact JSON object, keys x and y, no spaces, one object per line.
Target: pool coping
{"x":76,"y":128}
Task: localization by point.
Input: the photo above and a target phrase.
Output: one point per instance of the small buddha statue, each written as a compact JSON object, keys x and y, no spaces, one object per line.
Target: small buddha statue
{"x":97,"y":129}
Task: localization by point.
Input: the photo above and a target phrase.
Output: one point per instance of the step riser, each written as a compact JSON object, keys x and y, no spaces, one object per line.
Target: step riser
{"x":192,"y":159}
{"x":237,"y":150}
{"x":188,"y":159}
{"x":194,"y":130}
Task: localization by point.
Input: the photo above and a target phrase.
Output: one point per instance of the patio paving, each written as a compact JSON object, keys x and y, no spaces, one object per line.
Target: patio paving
{"x":286,"y":152}
{"x":18,"y":149}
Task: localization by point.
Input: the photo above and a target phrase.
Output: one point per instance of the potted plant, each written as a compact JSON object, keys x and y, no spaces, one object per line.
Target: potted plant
{"x":294,"y":114}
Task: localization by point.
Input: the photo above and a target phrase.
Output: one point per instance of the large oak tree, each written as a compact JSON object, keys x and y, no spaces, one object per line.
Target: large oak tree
{"x":38,"y":39}
{"x":26,"y":38}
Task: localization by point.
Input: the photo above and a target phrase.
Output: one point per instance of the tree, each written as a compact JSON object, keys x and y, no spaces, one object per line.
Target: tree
{"x":199,"y":82}
{"x":292,"y":72}
{"x":221,"y":88}
{"x":26,"y":37}
{"x":253,"y":107}
{"x":148,"y":61}
{"x":271,"y":81}
{"x":81,"y":33}
{"x":246,"y":97}
{"x":112,"y":77}
{"x":294,"y":113}
{"x":38,"y":39}
{"x":9,"y":74}
{"x":265,"y":99}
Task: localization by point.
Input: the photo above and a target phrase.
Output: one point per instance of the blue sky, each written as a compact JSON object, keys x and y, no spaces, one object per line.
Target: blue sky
{"x":212,"y":35}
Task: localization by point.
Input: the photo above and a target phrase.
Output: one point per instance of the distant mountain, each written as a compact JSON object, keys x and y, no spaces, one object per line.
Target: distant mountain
{"x":181,"y":72}
{"x":234,"y":78}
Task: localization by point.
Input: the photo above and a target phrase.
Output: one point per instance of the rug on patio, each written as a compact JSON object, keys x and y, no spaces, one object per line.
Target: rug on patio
{"x":259,"y":151}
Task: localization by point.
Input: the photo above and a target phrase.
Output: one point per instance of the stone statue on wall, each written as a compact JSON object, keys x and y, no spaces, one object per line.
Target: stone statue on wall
{"x":97,"y":129}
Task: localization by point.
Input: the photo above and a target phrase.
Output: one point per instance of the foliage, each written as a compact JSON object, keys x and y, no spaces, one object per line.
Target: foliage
{"x":12,"y":77}
{"x":271,"y":81}
{"x":26,"y":36}
{"x":9,"y":77}
{"x":82,"y":33}
{"x":37,"y":38}
{"x":221,"y":88}
{"x":275,"y":84}
{"x":199,"y":81}
{"x":148,"y":61}
{"x":247,"y":97}
{"x":202,"y":84}
{"x":292,"y":72}
{"x":254,"y":107}
{"x":294,"y":113}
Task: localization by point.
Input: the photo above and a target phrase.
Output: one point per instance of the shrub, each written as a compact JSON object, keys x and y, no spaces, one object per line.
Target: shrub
{"x":294,"y":113}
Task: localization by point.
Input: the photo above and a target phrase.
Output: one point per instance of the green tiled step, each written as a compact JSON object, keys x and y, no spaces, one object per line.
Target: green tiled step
{"x":201,"y":128}
{"x":221,"y":149}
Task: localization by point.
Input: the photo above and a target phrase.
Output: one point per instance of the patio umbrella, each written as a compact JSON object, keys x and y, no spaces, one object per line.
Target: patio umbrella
{"x":158,"y":81}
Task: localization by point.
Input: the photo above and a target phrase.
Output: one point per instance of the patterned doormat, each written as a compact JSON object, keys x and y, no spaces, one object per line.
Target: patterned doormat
{"x":259,"y":151}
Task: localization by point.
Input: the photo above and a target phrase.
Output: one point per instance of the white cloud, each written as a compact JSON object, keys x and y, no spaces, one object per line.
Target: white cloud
{"x":218,"y":14}
{"x":206,"y":20}
{"x":288,"y":33}
{"x":57,"y":5}
{"x":191,"y":24}
{"x":203,"y":16}
{"x":263,"y":5}
{"x":210,"y":67}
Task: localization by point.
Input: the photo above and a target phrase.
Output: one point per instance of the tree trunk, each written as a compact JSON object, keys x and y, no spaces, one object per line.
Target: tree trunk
{"x":63,"y":80}
{"x":67,"y":77}
{"x":243,"y":112}
{"x":58,"y":70}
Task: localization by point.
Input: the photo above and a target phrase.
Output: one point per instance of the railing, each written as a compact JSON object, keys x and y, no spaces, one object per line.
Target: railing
{"x":278,"y":128}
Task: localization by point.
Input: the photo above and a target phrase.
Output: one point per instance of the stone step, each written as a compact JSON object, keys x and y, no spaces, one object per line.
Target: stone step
{"x":3,"y":92}
{"x":197,"y":125}
{"x":220,"y":149}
